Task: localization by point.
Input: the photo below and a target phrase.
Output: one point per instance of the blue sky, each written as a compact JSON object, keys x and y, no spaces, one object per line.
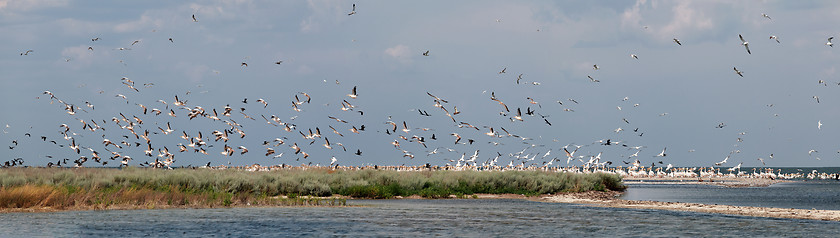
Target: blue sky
{"x":379,"y":49}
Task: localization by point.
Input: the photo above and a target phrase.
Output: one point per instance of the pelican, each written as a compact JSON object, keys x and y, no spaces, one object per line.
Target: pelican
{"x":353,"y":94}
{"x":353,"y":11}
{"x":426,"y":53}
{"x":634,"y":56}
{"x":819,"y":124}
{"x":738,"y":72}
{"x":772,"y":37}
{"x":677,"y":41}
{"x":503,"y":70}
{"x":745,"y":43}
{"x":829,"y":42}
{"x":766,"y":16}
{"x":193,"y":17}
{"x":662,"y":154}
{"x":722,"y":162}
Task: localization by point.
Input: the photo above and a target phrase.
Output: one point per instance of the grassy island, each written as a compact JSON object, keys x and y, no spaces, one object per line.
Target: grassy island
{"x":99,"y":188}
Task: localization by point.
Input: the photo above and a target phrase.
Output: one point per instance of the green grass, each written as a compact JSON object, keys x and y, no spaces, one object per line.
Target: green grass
{"x":30,"y":187}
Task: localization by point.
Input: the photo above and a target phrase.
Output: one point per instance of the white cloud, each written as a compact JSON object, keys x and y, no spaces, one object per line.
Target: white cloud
{"x":28,"y":5}
{"x":400,"y":52}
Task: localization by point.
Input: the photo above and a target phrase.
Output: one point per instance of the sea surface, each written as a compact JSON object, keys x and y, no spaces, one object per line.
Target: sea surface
{"x":456,"y":218}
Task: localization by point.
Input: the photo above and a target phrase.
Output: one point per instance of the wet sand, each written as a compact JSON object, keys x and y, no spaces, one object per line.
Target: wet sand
{"x":610,"y":199}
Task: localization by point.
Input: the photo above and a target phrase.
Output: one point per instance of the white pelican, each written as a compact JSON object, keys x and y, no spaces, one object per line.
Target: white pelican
{"x":738,"y":72}
{"x":745,"y":43}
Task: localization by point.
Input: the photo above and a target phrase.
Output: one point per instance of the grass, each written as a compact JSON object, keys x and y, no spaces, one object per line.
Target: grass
{"x":149,"y":188}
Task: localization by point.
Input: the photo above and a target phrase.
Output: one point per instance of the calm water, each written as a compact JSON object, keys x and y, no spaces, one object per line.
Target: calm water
{"x":819,"y":194}
{"x":402,"y":218}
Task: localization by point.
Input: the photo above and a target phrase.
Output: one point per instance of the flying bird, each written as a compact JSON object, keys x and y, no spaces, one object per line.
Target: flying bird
{"x":772,"y":37}
{"x":745,"y":43}
{"x":829,"y":42}
{"x":193,"y":17}
{"x":353,"y":11}
{"x":738,"y":72}
{"x":426,"y":53}
{"x":766,"y":16}
{"x":677,"y":41}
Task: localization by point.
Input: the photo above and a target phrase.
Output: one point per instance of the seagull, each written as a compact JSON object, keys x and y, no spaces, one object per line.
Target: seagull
{"x":772,"y":37}
{"x":677,"y":41}
{"x":745,"y":43}
{"x":738,"y":72}
{"x":829,"y":42}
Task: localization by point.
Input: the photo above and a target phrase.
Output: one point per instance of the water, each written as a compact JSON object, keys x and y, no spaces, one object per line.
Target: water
{"x":445,"y":217}
{"x":819,"y":194}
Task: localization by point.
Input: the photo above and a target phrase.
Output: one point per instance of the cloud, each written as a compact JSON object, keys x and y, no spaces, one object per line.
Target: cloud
{"x":400,"y":52}
{"x":29,"y":5}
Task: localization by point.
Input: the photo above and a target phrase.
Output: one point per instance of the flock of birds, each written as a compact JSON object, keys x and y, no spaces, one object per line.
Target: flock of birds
{"x":156,"y":134}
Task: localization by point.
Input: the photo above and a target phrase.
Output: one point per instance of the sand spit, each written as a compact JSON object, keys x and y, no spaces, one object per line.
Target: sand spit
{"x":610,"y":199}
{"x":727,"y":182}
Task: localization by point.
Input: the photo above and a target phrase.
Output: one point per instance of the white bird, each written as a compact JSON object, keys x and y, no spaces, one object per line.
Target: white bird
{"x":766,"y":16}
{"x":819,"y":125}
{"x":722,"y":162}
{"x":662,"y":154}
{"x":829,"y":42}
{"x":677,"y":41}
{"x":745,"y":43}
{"x":634,"y":56}
{"x":775,"y":38}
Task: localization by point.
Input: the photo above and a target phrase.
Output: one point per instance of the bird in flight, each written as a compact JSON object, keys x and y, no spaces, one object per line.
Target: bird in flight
{"x":353,"y":11}
{"x":426,"y":53}
{"x":677,"y":41}
{"x":775,"y":38}
{"x":766,"y":16}
{"x":829,"y":42}
{"x":193,"y":17}
{"x":745,"y":43}
{"x":738,"y":72}
{"x":634,"y":56}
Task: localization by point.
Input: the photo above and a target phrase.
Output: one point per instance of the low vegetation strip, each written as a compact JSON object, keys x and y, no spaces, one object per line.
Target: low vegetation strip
{"x":150,"y":188}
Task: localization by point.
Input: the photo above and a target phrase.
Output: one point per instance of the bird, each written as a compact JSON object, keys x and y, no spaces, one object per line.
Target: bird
{"x":503,"y":70}
{"x":738,"y":72}
{"x":819,"y":125}
{"x":193,"y":18}
{"x":352,"y":11}
{"x":353,"y":94}
{"x":426,"y":53}
{"x":745,"y":43}
{"x":27,"y":52}
{"x":677,"y":41}
{"x":662,"y":154}
{"x":634,"y":56}
{"x":829,"y":42}
{"x":816,"y":98}
{"x":766,"y":16}
{"x":772,"y":37}
{"x":722,"y":162}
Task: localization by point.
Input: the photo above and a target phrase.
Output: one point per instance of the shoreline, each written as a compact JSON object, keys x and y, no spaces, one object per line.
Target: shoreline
{"x":610,"y":199}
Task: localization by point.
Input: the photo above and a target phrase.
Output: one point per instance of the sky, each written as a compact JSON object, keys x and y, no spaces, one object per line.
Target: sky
{"x":685,"y":99}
